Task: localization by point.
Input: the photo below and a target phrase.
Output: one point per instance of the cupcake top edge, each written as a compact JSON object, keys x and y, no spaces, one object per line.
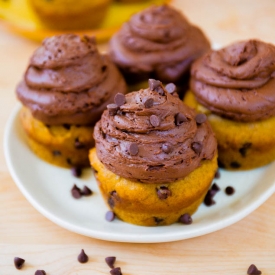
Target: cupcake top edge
{"x":152,"y":137}
{"x":237,"y":81}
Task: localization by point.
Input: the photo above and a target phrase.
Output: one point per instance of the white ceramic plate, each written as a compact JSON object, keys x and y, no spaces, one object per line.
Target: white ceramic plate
{"x":48,"y":187}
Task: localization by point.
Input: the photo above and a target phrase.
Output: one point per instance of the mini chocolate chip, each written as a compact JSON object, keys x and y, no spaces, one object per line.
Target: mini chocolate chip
{"x":56,"y":153}
{"x":133,"y":149}
{"x":69,"y":161}
{"x":86,"y":191}
{"x":235,"y":164}
{"x":67,"y":126}
{"x":112,"y":108}
{"x":217,"y":174}
{"x":119,"y":99}
{"x":167,"y":148}
{"x":208,"y":200}
{"x":200,"y":118}
{"x":253,"y":270}
{"x":229,"y":190}
{"x":78,"y":144}
{"x":110,"y":216}
{"x":196,"y":147}
{"x":215,"y":188}
{"x":40,"y":272}
{"x":154,"y":84}
{"x":103,"y":68}
{"x":244,"y":148}
{"x":110,"y":261}
{"x":76,"y":192}
{"x":18,"y":262}
{"x":159,"y":90}
{"x":154,"y":120}
{"x":82,"y":257}
{"x":170,"y":88}
{"x":185,"y":219}
{"x":158,"y":220}
{"x":76,"y":171}
{"x":163,"y":192}
{"x":180,"y":118}
{"x":116,"y":271}
{"x":149,"y":102}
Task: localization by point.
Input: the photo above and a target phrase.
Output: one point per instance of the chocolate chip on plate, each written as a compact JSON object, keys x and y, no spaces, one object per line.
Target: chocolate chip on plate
{"x":112,"y":108}
{"x":215,"y":188}
{"x":167,"y":148}
{"x":196,"y":147}
{"x":133,"y":149}
{"x":180,"y":118}
{"x":116,"y":271}
{"x":154,"y":120}
{"x":119,"y":99}
{"x":76,"y":192}
{"x":76,"y":171}
{"x":40,"y":272}
{"x":149,"y":102}
{"x":82,"y":257}
{"x":253,"y":270}
{"x":171,"y":88}
{"x":110,"y":216}
{"x":110,"y":261}
{"x":229,"y":190}
{"x":200,"y":118}
{"x":18,"y":262}
{"x":86,"y":191}
{"x":185,"y":219}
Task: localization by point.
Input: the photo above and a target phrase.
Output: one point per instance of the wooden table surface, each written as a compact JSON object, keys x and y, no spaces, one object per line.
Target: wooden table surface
{"x":24,"y":232}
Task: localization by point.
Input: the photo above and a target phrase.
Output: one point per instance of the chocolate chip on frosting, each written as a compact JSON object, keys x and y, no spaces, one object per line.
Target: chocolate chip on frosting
{"x":180,"y":118}
{"x":133,"y":149}
{"x":149,"y":102}
{"x":167,"y":148}
{"x":171,"y":88}
{"x":156,"y":85}
{"x":112,"y":108}
{"x":196,"y":147}
{"x":18,"y":262}
{"x":200,"y":118}
{"x":154,"y":120}
{"x":119,"y":99}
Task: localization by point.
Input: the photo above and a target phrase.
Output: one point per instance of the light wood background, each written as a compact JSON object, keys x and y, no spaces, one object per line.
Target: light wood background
{"x":26,"y":233}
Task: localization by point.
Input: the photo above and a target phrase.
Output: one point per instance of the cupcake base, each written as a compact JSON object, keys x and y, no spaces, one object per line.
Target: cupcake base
{"x":65,"y":145}
{"x":153,"y":204}
{"x":241,"y":146}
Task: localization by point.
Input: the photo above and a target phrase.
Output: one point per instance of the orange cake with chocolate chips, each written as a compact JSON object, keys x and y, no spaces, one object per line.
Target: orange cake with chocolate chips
{"x":65,"y":89}
{"x":160,"y":43}
{"x":234,"y":87}
{"x":154,"y":158}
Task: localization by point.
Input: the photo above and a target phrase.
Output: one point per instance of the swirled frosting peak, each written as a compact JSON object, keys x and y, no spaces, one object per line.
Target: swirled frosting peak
{"x":158,"y":40}
{"x":152,"y":137}
{"x":68,"y":81}
{"x":237,"y":82}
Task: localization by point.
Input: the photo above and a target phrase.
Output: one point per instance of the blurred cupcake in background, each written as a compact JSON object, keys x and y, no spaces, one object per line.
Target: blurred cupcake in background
{"x":160,"y":43}
{"x":65,"y":89}
{"x":70,"y":15}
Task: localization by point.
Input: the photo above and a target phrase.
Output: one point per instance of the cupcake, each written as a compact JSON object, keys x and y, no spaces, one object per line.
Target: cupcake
{"x":234,"y":87}
{"x":67,"y":15}
{"x":157,"y":42}
{"x":65,"y":89}
{"x":154,"y":160}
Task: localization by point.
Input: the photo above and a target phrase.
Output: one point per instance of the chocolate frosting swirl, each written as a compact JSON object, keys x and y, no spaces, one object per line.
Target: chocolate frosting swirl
{"x":160,"y":40}
{"x":237,"y":82}
{"x":68,"y":81}
{"x":153,"y":138}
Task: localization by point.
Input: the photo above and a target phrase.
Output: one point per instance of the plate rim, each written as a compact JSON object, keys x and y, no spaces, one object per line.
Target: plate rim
{"x":134,"y":238}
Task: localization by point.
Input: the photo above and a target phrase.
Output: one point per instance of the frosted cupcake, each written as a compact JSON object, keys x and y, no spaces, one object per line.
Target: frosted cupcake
{"x":154,"y":158}
{"x":65,"y":89}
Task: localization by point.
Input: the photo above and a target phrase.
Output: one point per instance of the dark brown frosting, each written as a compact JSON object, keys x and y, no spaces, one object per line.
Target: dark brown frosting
{"x":68,"y":81}
{"x":237,"y":82}
{"x":153,"y":138}
{"x":160,"y":40}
